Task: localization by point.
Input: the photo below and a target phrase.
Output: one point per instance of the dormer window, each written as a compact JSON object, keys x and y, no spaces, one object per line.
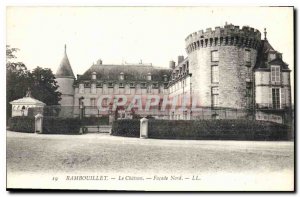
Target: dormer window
{"x":121,"y":76}
{"x":94,"y":75}
{"x":143,"y":85}
{"x":275,"y":73}
{"x":149,"y":76}
{"x":131,"y":85}
{"x":165,"y":78}
{"x":272,"y":56}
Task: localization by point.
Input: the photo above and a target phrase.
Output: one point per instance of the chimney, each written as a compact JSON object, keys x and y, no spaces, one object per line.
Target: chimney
{"x":99,"y":62}
{"x":171,"y":64}
{"x":180,"y":59}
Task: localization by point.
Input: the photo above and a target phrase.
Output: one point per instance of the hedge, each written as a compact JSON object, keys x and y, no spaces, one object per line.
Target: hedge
{"x":126,"y":127}
{"x":55,"y":125}
{"x":23,"y":124}
{"x":51,"y":125}
{"x":204,"y":129}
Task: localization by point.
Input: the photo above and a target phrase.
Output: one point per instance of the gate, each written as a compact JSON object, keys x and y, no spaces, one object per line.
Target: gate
{"x":93,"y":121}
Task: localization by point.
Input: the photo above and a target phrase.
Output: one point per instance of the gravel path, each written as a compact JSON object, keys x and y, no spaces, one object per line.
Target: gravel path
{"x":33,"y":153}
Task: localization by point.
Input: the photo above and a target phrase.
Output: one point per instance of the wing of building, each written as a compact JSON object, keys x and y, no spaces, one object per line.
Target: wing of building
{"x":229,"y":72}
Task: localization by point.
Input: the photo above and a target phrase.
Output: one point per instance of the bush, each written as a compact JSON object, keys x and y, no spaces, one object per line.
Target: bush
{"x":21,"y":124}
{"x":58,"y":125}
{"x":217,"y":129}
{"x":103,"y":120}
{"x":126,"y":127}
{"x":204,"y":129}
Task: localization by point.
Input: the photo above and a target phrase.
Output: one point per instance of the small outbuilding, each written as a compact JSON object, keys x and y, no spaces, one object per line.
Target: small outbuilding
{"x":20,"y":106}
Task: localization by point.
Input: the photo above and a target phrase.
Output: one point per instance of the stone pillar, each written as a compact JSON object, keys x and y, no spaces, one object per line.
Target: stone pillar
{"x":81,"y":108}
{"x":38,"y":123}
{"x":110,"y":119}
{"x":144,"y":128}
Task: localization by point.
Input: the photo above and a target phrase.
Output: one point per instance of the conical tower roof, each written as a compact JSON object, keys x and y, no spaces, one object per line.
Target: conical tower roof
{"x":65,"y":69}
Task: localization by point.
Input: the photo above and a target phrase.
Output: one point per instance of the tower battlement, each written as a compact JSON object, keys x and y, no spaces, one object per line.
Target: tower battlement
{"x":222,"y":36}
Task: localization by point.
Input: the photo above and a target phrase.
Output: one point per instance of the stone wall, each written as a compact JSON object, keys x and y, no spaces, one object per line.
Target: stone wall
{"x":234,"y":73}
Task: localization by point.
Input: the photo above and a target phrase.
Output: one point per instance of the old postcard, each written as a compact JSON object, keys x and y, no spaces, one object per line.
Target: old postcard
{"x":150,"y":98}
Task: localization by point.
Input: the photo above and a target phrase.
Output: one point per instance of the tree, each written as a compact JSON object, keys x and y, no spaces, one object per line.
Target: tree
{"x":16,"y":78}
{"x":41,"y":81}
{"x":44,"y":87}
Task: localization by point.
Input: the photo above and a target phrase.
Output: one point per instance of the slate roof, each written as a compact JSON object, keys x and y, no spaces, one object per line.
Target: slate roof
{"x":108,"y":72}
{"x":65,"y":69}
{"x":262,"y":57}
{"x":279,"y":61}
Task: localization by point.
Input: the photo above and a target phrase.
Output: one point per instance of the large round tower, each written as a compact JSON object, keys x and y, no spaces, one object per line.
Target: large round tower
{"x":65,"y":79}
{"x":221,"y":62}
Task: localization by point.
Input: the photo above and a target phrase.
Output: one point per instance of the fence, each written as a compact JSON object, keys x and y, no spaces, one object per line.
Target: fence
{"x":201,"y":113}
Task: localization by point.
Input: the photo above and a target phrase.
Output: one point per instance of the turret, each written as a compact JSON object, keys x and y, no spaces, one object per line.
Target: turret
{"x":221,"y":59}
{"x":65,"y":80}
{"x":229,"y":35}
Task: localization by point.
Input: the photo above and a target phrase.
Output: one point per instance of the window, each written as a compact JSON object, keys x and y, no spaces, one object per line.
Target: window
{"x":93,"y":102}
{"x":143,"y":85}
{"x":248,"y":89}
{"x":110,"y":85}
{"x":81,"y":88}
{"x":215,"y":116}
{"x":165,"y":85}
{"x":276,"y":98}
{"x":121,"y":85}
{"x":215,"y":56}
{"x":215,"y":74}
{"x":275,"y":73}
{"x":149,"y":89}
{"x":215,"y":96}
{"x":272,"y":56}
{"x":165,"y":78}
{"x":132,"y":85}
{"x":93,"y":88}
{"x":247,"y":56}
{"x":100,"y":85}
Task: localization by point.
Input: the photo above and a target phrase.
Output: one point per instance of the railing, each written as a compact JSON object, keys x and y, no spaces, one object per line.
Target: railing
{"x":157,"y":112}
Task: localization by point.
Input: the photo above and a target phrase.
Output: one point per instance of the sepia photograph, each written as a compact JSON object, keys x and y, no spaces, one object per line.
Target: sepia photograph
{"x":150,"y":98}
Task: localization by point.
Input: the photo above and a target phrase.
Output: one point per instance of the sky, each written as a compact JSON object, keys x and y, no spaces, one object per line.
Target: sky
{"x":130,"y":34}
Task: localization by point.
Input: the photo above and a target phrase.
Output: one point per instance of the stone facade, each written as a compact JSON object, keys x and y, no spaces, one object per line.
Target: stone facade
{"x":225,"y":68}
{"x":236,"y":51}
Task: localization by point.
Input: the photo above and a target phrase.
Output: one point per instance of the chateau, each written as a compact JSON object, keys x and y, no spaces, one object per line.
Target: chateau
{"x":229,"y":72}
